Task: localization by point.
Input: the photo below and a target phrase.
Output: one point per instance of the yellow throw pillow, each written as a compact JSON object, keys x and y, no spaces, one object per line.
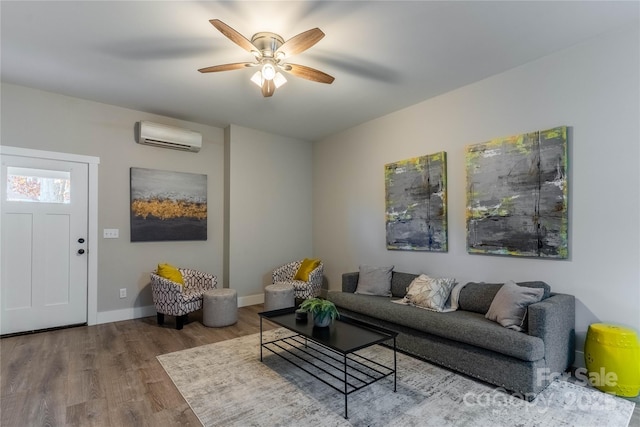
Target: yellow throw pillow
{"x":170,"y":272}
{"x":307,"y":266}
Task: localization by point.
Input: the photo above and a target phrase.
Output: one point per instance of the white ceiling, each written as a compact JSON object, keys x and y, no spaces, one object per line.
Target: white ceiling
{"x":144,"y":55}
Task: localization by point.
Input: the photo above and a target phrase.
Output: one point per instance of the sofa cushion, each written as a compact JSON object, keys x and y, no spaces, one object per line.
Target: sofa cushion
{"x":477,"y":297}
{"x":400,"y":282}
{"x":374,"y":281}
{"x":463,"y":326}
{"x":509,"y":306}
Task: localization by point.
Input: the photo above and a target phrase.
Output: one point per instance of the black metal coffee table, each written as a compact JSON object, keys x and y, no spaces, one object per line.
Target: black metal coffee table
{"x":329,"y":354}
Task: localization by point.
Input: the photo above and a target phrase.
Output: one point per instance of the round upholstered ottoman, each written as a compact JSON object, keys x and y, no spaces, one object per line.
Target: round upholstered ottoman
{"x":219,"y":307}
{"x":278,"y":295}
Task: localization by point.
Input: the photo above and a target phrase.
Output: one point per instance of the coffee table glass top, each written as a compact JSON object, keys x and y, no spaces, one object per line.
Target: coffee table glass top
{"x":345,"y":335}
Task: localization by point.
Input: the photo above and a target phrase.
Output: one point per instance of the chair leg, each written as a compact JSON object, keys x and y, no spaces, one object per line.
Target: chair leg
{"x":160,"y":318}
{"x":180,"y":321}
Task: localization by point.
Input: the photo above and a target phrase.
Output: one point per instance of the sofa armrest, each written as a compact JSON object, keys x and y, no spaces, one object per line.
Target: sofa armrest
{"x":350,"y":282}
{"x":554,"y":320}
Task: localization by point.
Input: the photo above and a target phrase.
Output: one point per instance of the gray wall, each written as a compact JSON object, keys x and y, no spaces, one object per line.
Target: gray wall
{"x":270,"y":215}
{"x":593,"y":88}
{"x":259,"y":194}
{"x":46,"y":121}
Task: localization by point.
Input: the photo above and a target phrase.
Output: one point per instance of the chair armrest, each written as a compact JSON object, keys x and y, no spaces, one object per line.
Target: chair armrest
{"x":286,"y":272}
{"x":315,"y":279}
{"x":161,"y":288}
{"x":350,"y":282}
{"x":554,"y":320}
{"x":197,"y":281}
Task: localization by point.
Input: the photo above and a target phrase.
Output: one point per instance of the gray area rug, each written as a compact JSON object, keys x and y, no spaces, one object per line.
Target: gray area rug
{"x":226,"y":385}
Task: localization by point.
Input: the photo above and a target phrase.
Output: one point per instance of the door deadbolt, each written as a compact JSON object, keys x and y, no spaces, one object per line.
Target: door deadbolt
{"x":81,"y":240}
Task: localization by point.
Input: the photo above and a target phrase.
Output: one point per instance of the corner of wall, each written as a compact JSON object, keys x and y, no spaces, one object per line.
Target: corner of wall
{"x":226,"y":201}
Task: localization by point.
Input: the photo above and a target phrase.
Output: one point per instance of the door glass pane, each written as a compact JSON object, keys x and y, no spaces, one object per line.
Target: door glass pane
{"x":38,"y":185}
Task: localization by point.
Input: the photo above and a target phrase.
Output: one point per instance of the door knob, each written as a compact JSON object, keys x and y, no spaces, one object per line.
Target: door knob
{"x":80,"y":251}
{"x":81,"y":240}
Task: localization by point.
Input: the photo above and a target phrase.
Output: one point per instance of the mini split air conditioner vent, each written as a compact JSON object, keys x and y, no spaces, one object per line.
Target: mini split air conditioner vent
{"x":168,"y":137}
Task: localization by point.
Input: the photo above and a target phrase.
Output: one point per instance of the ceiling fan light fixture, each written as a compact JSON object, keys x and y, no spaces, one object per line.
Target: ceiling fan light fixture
{"x":279,"y":80}
{"x":268,"y":71}
{"x":257,"y":78}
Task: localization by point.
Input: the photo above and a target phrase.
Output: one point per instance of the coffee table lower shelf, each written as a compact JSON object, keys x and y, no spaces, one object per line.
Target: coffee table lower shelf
{"x":344,"y":372}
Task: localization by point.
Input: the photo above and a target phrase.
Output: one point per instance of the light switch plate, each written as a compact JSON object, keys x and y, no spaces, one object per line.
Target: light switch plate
{"x":111,"y":233}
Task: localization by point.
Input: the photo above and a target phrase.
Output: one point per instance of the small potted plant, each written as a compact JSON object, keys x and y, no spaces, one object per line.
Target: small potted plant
{"x":322,"y":310}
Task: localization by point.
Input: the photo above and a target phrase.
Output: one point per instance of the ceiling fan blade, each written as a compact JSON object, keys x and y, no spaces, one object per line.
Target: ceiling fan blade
{"x":233,"y":35}
{"x":308,"y":73}
{"x":226,"y":67}
{"x":301,"y":42}
{"x":268,"y":87}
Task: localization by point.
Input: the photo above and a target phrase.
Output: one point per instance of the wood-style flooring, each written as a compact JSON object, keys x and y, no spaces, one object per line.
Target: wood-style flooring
{"x":108,"y":375}
{"x":104,"y":375}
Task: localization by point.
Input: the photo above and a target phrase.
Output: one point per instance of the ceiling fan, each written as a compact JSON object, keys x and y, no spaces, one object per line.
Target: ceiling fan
{"x":271,"y":51}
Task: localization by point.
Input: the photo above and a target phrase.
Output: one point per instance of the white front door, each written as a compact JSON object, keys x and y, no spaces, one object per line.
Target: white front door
{"x":44,"y":213}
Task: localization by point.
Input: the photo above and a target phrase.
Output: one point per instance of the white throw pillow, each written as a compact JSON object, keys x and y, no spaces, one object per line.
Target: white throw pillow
{"x":430,"y":293}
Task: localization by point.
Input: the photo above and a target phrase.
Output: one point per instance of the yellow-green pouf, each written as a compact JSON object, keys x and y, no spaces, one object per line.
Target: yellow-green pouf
{"x":612,"y":356}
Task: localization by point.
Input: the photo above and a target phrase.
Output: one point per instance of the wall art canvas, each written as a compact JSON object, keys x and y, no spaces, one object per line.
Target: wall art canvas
{"x":517,"y":195}
{"x":168,"y":205}
{"x":416,"y":203}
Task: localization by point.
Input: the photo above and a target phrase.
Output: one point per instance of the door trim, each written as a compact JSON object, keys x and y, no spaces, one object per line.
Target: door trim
{"x":92,"y":224}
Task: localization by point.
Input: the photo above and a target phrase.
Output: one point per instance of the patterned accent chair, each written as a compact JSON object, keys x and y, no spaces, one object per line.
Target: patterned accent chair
{"x":173,"y":299}
{"x":302,"y":290}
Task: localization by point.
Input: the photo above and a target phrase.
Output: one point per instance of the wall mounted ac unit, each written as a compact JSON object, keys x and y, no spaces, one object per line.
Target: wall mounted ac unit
{"x":168,"y":137}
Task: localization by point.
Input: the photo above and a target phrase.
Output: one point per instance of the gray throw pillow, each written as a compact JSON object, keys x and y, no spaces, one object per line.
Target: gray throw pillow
{"x":509,"y":306}
{"x":374,"y":281}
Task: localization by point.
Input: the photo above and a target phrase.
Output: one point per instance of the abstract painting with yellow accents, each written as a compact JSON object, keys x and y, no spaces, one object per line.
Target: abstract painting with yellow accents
{"x":168,"y":205}
{"x":517,"y":201}
{"x":416,"y":203}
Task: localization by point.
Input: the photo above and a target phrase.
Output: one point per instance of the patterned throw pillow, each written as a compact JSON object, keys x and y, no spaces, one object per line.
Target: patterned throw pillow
{"x":430,"y":293}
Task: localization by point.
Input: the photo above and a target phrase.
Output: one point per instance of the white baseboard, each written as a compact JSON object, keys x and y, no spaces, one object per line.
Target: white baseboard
{"x":125,"y":314}
{"x":150,"y":310}
{"x":250,"y":300}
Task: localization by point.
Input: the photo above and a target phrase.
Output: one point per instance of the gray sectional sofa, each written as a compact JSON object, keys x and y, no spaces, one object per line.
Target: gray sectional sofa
{"x":465,"y":341}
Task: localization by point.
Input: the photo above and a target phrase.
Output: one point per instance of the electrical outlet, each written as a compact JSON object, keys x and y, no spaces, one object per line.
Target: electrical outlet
{"x":123,"y":293}
{"x":111,"y":233}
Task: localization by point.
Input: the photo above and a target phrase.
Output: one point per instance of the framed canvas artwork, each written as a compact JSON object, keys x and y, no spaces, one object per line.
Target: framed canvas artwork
{"x":416,"y":203}
{"x":168,"y":205}
{"x":517,"y":201}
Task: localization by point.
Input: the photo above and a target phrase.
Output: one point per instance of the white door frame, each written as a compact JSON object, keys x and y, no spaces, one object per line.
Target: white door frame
{"x":92,"y":248}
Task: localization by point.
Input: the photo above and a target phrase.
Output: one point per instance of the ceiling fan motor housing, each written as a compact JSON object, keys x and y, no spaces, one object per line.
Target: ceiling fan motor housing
{"x":267,"y":43}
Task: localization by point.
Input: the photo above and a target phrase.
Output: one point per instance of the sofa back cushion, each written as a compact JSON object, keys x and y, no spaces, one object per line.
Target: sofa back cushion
{"x":400,"y":282}
{"x":477,"y":297}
